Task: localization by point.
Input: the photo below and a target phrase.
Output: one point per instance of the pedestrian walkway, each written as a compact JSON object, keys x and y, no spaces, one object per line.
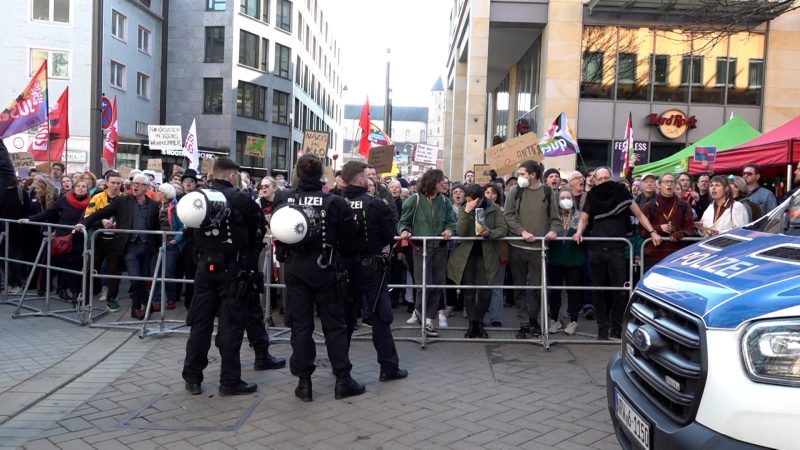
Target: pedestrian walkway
{"x":118,"y":391}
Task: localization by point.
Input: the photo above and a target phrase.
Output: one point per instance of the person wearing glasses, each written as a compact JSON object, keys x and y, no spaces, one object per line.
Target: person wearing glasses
{"x":761,"y":196}
{"x":671,"y":218}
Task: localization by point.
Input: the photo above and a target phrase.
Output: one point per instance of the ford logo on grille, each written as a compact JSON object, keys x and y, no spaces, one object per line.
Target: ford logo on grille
{"x":641,"y":339}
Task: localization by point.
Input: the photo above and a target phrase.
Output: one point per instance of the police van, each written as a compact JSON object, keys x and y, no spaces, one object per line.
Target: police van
{"x":710,"y":355}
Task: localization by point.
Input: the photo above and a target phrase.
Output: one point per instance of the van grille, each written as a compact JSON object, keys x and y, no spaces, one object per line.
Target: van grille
{"x":671,"y":372}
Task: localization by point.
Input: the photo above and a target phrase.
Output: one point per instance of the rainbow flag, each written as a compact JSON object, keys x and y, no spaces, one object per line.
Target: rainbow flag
{"x":559,"y":139}
{"x":29,"y":109}
{"x":377,"y":136}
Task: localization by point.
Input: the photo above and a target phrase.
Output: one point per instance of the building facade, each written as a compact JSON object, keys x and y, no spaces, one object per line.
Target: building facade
{"x":518,"y":64}
{"x":253,"y":69}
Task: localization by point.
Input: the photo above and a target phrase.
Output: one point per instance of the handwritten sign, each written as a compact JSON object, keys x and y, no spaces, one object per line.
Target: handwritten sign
{"x":315,"y":142}
{"x":426,"y":154}
{"x":124,"y":172}
{"x":164,"y":137}
{"x":504,"y":157}
{"x":482,"y":173}
{"x":381,"y":158}
{"x":254,"y":146}
{"x":155,"y":164}
{"x":206,"y":165}
{"x":330,"y":177}
{"x":22,"y":159}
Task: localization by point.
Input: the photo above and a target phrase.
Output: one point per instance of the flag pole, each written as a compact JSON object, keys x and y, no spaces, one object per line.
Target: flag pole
{"x":47,"y":109}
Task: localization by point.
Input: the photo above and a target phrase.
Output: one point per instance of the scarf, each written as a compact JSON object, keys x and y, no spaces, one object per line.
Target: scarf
{"x":608,"y":199}
{"x":77,"y":203}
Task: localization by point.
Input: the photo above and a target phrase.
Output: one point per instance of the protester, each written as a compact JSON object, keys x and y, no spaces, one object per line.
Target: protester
{"x":469,"y":177}
{"x":672,"y":219}
{"x":65,"y":185}
{"x":738,"y":187}
{"x":648,"y":190}
{"x":761,"y":196}
{"x":169,"y":221}
{"x":565,"y":266}
{"x":724,"y":213}
{"x":552,"y":178}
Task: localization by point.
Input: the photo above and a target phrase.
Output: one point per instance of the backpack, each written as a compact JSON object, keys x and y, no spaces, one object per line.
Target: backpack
{"x":548,"y":192}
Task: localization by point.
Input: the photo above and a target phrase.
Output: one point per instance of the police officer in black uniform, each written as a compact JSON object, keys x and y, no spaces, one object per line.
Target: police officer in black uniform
{"x":366,"y":259}
{"x":312,"y":278}
{"x":227,"y":254}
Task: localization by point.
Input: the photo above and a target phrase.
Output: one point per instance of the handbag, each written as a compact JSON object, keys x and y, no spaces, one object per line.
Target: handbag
{"x":61,"y":245}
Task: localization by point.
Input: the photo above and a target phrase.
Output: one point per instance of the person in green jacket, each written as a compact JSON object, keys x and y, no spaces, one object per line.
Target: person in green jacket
{"x":428,"y":213}
{"x":477,"y":262}
{"x":565,"y":261}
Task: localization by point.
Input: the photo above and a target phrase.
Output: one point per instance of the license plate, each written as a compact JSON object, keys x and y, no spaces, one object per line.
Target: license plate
{"x":633,"y":422}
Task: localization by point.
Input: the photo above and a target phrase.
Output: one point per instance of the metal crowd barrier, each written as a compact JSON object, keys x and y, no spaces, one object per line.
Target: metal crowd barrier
{"x":687,"y":240}
{"x":79,"y":312}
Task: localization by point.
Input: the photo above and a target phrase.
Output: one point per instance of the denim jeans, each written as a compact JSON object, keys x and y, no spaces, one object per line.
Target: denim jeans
{"x":170,"y":270}
{"x":137,"y":262}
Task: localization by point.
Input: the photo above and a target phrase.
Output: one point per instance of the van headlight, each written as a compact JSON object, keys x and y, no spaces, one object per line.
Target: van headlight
{"x":771,"y":351}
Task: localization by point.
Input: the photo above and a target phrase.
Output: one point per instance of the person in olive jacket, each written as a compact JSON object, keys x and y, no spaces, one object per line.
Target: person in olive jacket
{"x":477,"y":262}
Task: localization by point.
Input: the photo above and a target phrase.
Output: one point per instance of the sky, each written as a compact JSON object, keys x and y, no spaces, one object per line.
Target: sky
{"x":416,"y":31}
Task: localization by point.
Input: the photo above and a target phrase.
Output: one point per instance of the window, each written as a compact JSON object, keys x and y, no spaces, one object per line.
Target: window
{"x":117,"y":79}
{"x":592,"y":67}
{"x":250,"y":8}
{"x":264,"y":54}
{"x":626,"y":68}
{"x":284,"y":18}
{"x":215,"y":44}
{"x":118,"y":22}
{"x":692,"y":65}
{"x":280,"y":151}
{"x":283,"y":58}
{"x":143,"y":41}
{"x":280,"y":107}
{"x":142,"y":85}
{"x":298,"y":72}
{"x":265,"y":10}
{"x":726,"y":66}
{"x":755,"y":74}
{"x":296,"y":117}
{"x":248,"y":49}
{"x":251,"y":100}
{"x":660,"y":68}
{"x":215,"y":5}
{"x":57,"y":62}
{"x":212,"y":96}
{"x":50,"y":10}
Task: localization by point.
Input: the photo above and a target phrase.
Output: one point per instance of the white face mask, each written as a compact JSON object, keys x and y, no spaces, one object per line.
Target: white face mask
{"x":565,"y":203}
{"x":523,"y":182}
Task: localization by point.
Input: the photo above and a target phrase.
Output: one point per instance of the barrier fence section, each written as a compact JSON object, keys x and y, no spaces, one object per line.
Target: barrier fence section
{"x":40,"y":305}
{"x":687,"y":240}
{"x":545,"y":340}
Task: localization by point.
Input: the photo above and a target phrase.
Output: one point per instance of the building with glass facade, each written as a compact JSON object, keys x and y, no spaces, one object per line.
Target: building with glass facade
{"x":599,"y":61}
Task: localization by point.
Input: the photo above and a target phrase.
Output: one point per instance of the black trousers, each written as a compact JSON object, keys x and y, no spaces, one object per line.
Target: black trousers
{"x":215,"y":291}
{"x":608,"y":269}
{"x":189,"y":269}
{"x":307,"y":286}
{"x":564,"y":276}
{"x":114,"y":265}
{"x":366,"y":281}
{"x":254,"y":323}
{"x":476,"y":301}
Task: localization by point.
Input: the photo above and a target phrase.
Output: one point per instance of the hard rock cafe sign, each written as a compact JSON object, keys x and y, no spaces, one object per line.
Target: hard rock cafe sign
{"x":672,"y":123}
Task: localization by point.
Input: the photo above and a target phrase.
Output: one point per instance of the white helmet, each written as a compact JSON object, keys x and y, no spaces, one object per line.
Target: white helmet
{"x":201,"y":208}
{"x":290,"y":224}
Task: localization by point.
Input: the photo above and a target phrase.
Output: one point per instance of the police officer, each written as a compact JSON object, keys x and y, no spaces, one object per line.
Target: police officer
{"x":225,"y":248}
{"x":366,"y":259}
{"x":312,"y":278}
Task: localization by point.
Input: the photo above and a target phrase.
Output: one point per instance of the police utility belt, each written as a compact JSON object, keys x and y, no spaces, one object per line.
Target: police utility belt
{"x":219,"y":261}
{"x":376,"y":261}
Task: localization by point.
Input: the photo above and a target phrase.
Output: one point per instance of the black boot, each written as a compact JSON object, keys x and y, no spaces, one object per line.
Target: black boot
{"x":470,"y":331}
{"x":303,"y":389}
{"x":480,"y":332}
{"x":265,"y":361}
{"x":241,"y":388}
{"x":347,"y":387}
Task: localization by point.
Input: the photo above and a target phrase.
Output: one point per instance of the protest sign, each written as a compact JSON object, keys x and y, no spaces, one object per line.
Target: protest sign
{"x":124,"y":172}
{"x":164,"y":137}
{"x":315,"y":142}
{"x":505,"y":156}
{"x":22,"y":159}
{"x":254,"y":146}
{"x":155,"y":164}
{"x":426,"y":154}
{"x":707,"y":154}
{"x":482,"y":173}
{"x":206,"y":165}
{"x":381,"y":158}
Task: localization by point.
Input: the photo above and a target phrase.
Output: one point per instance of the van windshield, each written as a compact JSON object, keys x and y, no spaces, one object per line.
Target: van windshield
{"x":785,"y":219}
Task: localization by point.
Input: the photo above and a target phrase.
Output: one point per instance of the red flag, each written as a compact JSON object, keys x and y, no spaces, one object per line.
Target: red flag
{"x":627,"y":166}
{"x":363,"y":122}
{"x":55,"y":136}
{"x":110,"y":145}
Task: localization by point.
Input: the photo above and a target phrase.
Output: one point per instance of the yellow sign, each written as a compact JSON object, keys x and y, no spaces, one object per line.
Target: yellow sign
{"x":505,"y":156}
{"x":315,"y":142}
{"x":254,"y":146}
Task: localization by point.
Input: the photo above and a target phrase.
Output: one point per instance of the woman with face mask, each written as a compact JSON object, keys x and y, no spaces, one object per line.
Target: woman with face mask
{"x":565,"y":266}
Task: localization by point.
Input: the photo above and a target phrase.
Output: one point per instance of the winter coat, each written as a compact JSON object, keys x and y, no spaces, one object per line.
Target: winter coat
{"x":465,"y":226}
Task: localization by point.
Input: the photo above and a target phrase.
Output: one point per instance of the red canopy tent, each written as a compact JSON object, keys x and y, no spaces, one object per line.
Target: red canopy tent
{"x":780,"y":146}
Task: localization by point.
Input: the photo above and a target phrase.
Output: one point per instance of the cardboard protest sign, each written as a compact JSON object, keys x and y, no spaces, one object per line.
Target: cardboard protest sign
{"x":43,"y":167}
{"x":505,"y":156}
{"x":164,"y":137}
{"x":482,"y":173}
{"x":22,"y":159}
{"x":155,"y":164}
{"x":254,"y":146}
{"x":426,"y":154}
{"x":330,"y":176}
{"x":206,"y":165}
{"x":124,"y":172}
{"x":707,"y":154}
{"x":381,"y":158}
{"x":315,"y":142}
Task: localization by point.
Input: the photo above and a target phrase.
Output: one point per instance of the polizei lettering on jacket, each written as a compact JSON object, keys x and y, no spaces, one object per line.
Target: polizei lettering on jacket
{"x":356,"y":204}
{"x":310,"y":201}
{"x":721,"y":266}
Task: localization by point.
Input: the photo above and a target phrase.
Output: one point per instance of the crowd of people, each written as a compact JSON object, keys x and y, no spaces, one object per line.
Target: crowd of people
{"x":535,"y":206}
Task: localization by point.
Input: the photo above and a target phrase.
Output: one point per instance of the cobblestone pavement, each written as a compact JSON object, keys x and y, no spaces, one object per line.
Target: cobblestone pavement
{"x":113,"y":390}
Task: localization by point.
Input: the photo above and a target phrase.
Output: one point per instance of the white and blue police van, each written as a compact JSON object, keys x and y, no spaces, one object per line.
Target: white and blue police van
{"x":710,"y":355}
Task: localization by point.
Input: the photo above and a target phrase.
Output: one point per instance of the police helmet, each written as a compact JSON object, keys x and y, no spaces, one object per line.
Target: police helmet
{"x":294,"y":224}
{"x":202,"y":208}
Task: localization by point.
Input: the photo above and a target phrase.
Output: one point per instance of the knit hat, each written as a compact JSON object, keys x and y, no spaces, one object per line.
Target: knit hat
{"x":550,"y":171}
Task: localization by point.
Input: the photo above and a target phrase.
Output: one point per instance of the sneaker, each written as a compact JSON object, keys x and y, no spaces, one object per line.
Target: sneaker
{"x":414,"y":318}
{"x":523,"y":333}
{"x":448,"y":311}
{"x":442,"y":321}
{"x":103,"y":294}
{"x":554,"y":326}
{"x":571,"y":327}
{"x":112,"y":305}
{"x":588,"y":312}
{"x":15,"y":290}
{"x":367,"y":322}
{"x":430,"y":331}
